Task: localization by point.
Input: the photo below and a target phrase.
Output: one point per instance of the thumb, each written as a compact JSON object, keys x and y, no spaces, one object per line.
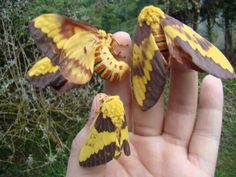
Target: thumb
{"x":73,"y":168}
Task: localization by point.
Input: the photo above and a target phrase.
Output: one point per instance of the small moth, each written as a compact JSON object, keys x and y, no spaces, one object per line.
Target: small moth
{"x":158,"y":40}
{"x":108,"y":135}
{"x":73,"y":51}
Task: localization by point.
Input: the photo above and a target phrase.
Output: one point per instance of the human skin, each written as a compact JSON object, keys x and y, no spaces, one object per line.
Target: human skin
{"x":181,"y":140}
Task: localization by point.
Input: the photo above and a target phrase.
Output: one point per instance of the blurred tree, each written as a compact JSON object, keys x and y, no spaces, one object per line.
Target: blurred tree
{"x":225,"y":11}
{"x":178,"y":9}
{"x":209,"y":12}
{"x":196,"y":12}
{"x":229,"y":16}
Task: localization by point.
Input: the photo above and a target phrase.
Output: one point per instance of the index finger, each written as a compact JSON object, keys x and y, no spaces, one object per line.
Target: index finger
{"x":123,"y":87}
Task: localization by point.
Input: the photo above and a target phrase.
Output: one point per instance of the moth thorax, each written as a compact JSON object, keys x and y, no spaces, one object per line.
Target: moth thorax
{"x":118,"y":121}
{"x":113,"y":108}
{"x":151,"y":15}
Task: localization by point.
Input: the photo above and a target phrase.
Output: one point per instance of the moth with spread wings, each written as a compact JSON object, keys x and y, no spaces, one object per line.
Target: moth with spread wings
{"x":160,"y":38}
{"x":108,"y":134}
{"x":73,"y":50}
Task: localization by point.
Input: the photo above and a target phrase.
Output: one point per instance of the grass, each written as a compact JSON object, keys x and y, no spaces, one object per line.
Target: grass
{"x":227,"y":154}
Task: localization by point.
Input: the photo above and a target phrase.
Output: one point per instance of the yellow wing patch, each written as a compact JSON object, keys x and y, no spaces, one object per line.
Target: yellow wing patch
{"x":44,"y":73}
{"x":108,"y":135}
{"x":42,"y":67}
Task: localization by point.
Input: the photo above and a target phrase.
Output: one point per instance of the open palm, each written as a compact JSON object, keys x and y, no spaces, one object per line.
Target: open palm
{"x":180,"y":141}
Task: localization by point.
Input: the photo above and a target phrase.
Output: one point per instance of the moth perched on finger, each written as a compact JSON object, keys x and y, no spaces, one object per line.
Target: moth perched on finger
{"x":76,"y":49}
{"x":160,"y":39}
{"x":108,"y":135}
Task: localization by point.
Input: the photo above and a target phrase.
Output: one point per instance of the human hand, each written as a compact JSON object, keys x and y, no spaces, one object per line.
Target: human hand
{"x":181,"y":141}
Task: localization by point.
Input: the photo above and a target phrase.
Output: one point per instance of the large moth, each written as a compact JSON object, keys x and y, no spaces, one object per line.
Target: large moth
{"x":73,"y":51}
{"x":158,"y":40}
{"x":108,"y":135}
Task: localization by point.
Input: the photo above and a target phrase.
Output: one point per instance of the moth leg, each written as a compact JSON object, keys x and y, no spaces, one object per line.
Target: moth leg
{"x":119,"y":55}
{"x":117,"y":152}
{"x":112,"y":49}
{"x":118,"y":149}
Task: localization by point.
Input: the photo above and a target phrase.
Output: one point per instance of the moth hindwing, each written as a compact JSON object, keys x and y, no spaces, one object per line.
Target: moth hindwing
{"x":158,"y":40}
{"x":108,"y":136}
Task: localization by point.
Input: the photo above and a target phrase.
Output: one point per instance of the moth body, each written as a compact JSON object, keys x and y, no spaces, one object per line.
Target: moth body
{"x":105,"y":65}
{"x":113,"y":109}
{"x":151,"y":16}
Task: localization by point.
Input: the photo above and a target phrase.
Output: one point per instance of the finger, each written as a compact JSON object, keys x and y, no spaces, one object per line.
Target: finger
{"x":123,"y":87}
{"x":205,"y":139}
{"x":182,"y":104}
{"x":74,"y":169}
{"x":149,"y":123}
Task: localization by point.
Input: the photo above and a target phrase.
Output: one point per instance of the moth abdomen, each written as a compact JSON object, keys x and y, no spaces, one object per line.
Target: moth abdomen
{"x":160,"y":40}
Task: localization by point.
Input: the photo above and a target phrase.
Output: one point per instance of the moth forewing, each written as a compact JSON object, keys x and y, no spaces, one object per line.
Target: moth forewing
{"x":149,"y":68}
{"x":200,"y":52}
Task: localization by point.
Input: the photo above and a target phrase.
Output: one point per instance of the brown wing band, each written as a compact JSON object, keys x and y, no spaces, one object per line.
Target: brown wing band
{"x":141,"y":33}
{"x":68,"y":65}
{"x":102,"y":156}
{"x":156,"y":84}
{"x":56,"y":80}
{"x":170,"y":21}
{"x":45,"y":44}
{"x":205,"y":63}
{"x":70,"y":23}
{"x":66,"y":87}
{"x":104,"y":124}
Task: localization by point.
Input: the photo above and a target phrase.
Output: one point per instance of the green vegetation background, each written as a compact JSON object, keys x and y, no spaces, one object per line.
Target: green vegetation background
{"x":37,"y":127}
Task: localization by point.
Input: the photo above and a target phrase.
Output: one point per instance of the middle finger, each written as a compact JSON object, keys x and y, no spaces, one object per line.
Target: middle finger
{"x":182,"y":104}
